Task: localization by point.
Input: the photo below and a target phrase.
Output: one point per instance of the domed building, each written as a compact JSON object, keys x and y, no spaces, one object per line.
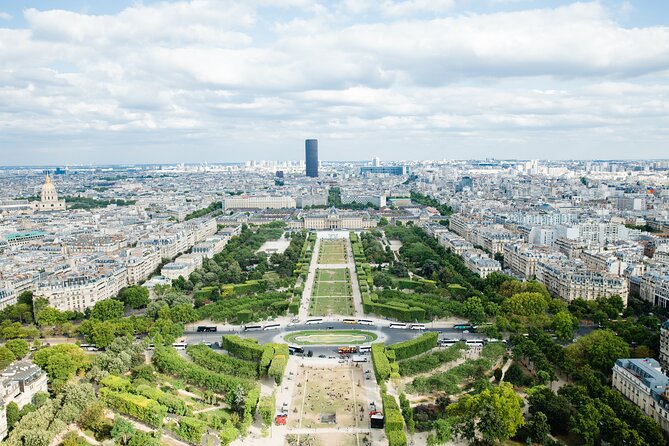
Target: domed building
{"x":49,"y":198}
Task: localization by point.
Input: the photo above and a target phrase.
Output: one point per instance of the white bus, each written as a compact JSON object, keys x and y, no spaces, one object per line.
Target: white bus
{"x":365,"y":322}
{"x":417,"y":326}
{"x":180,"y":345}
{"x":397,"y":325}
{"x":314,"y":321}
{"x":474,"y":343}
{"x":89,"y":347}
{"x":448,"y":342}
{"x":364,"y":349}
{"x":272,"y":327}
{"x":252,"y":327}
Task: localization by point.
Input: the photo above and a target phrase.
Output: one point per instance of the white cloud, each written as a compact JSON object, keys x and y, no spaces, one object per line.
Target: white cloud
{"x":205,"y":72}
{"x":5,"y":16}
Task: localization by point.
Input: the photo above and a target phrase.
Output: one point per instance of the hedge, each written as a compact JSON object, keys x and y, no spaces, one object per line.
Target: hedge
{"x":398,"y":311}
{"x":423,"y":343}
{"x":432,"y":360}
{"x":392,"y":413}
{"x":217,"y":362}
{"x":115,"y":383}
{"x":277,"y":367}
{"x":167,"y":360}
{"x":380,"y":362}
{"x":173,"y":403}
{"x":396,"y":438}
{"x":266,"y":408}
{"x":243,"y":348}
{"x":191,"y":429}
{"x":136,"y":406}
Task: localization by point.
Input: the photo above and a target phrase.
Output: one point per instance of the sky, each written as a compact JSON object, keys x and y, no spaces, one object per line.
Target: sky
{"x":99,"y":82}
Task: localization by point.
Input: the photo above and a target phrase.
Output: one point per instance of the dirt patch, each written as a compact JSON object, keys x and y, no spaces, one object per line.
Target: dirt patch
{"x":329,"y":398}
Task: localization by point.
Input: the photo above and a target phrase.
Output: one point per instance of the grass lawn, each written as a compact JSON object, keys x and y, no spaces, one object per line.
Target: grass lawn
{"x":332,"y":252}
{"x":325,"y":306}
{"x":332,"y":275}
{"x":331,"y":289}
{"x":330,"y":337}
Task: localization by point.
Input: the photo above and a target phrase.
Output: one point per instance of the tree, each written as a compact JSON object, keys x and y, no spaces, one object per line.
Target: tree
{"x":6,"y":357}
{"x":13,"y":415}
{"x":122,"y":430}
{"x":474,"y":310}
{"x":586,"y":423}
{"x":107,"y":309}
{"x":104,"y":333}
{"x":61,"y":362}
{"x":599,"y":349}
{"x":538,"y":428}
{"x":563,"y":324}
{"x":49,"y":317}
{"x":556,"y":407}
{"x":134,"y":296}
{"x":494,"y":415}
{"x":19,"y":347}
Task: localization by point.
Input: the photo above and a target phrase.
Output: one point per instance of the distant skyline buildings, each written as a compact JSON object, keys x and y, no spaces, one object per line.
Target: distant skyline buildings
{"x":311,"y":157}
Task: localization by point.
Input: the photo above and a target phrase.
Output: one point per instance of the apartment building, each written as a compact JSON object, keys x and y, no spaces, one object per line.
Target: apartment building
{"x":522,"y":260}
{"x":78,"y":291}
{"x":664,"y":346}
{"x":259,"y":202}
{"x":642,"y":382}
{"x":480,"y":263}
{"x":19,"y":383}
{"x":654,"y":287}
{"x":571,"y":280}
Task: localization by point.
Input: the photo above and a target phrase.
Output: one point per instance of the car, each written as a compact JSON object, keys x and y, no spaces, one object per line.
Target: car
{"x":330,"y":327}
{"x":321,"y":356}
{"x":310,"y":354}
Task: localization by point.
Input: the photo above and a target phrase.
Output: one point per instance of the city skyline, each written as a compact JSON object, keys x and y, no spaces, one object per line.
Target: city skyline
{"x":170,"y":82}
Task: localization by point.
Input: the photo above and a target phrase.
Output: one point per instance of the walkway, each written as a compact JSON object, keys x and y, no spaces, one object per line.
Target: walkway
{"x":357,"y":297}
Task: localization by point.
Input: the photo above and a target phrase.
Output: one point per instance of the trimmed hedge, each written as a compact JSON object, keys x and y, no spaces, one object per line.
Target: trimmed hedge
{"x":115,"y":383}
{"x":173,"y":403}
{"x":167,"y":360}
{"x":380,"y":362}
{"x":266,"y":409}
{"x":277,"y":367}
{"x":423,"y":343}
{"x":191,"y":429}
{"x":143,"y":409}
{"x":396,"y":438}
{"x":392,"y":413}
{"x":216,"y":362}
{"x":243,"y":348}
{"x":396,"y":310}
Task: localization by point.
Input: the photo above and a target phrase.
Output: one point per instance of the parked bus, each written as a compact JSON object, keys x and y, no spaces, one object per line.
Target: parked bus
{"x":448,"y":342}
{"x":180,"y":345}
{"x":314,"y":321}
{"x":365,"y":322}
{"x":252,"y":327}
{"x":474,"y":343}
{"x":365,"y":349}
{"x":347,"y":350}
{"x":89,"y":347}
{"x":463,"y":326}
{"x":295,"y":350}
{"x":417,"y":326}
{"x":272,"y":327}
{"x":397,"y":325}
{"x":349,"y":321}
{"x":204,"y":329}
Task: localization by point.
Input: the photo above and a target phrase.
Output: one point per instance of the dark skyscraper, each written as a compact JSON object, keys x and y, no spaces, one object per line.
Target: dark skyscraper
{"x":311,"y":151}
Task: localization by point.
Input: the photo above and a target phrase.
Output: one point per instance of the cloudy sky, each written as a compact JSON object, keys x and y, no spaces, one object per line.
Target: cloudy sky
{"x":89,"y":81}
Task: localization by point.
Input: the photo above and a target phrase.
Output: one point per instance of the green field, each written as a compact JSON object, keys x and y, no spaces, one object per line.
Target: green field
{"x":330,"y":337}
{"x":332,"y":252}
{"x":332,"y":275}
{"x":332,"y":289}
{"x":326,"y":306}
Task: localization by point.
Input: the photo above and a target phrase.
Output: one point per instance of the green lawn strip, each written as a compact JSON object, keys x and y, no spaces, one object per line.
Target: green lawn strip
{"x":332,"y":289}
{"x":330,"y":337}
{"x":322,"y":306}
